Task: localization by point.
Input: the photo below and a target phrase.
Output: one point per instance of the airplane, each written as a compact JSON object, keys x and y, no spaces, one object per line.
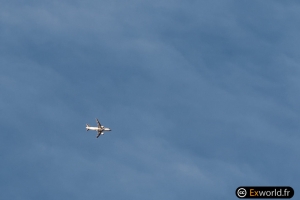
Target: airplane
{"x":100,"y":128}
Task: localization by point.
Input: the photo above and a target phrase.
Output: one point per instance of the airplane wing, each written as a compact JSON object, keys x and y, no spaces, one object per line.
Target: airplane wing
{"x":99,"y":133}
{"x":99,"y":125}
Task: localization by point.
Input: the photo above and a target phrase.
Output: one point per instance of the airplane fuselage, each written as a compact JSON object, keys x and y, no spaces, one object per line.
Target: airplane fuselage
{"x":97,"y":128}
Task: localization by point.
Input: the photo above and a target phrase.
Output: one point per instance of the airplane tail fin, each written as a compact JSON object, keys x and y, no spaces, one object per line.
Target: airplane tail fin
{"x":87,"y":127}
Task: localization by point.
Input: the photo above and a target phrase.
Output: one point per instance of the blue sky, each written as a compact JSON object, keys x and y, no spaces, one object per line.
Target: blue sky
{"x":201,"y":96}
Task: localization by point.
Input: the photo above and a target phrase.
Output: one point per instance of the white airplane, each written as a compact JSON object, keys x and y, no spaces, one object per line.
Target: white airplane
{"x":100,"y":128}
